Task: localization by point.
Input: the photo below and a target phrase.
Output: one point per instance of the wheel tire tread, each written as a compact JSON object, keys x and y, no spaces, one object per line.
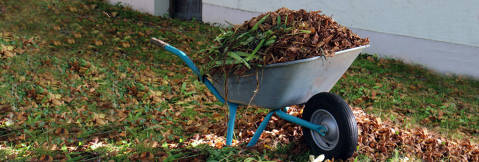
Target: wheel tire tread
{"x":345,"y":118}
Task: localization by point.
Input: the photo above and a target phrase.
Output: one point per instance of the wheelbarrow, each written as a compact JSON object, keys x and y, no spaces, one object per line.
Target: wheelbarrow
{"x":329,"y":126}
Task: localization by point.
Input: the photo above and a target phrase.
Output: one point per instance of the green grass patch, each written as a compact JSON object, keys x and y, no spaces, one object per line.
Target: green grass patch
{"x":390,"y":88}
{"x":86,"y":84}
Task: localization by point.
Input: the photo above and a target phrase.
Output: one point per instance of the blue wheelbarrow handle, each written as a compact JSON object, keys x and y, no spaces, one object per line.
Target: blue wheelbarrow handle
{"x":190,"y":64}
{"x":231,"y":106}
{"x":178,"y":53}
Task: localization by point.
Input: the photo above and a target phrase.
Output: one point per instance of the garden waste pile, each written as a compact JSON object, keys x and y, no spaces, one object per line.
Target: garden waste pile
{"x":280,"y":36}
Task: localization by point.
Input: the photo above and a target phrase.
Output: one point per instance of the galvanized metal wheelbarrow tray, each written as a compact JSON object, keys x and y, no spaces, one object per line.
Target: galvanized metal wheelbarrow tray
{"x":276,"y":86}
{"x":285,"y":84}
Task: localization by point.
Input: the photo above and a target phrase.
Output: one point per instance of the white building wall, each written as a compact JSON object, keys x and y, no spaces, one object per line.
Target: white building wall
{"x":154,"y":7}
{"x":440,"y":34}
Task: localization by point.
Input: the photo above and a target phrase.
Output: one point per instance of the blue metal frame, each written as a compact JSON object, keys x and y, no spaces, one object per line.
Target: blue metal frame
{"x":183,"y":57}
{"x":260,"y":129}
{"x":318,"y":128}
{"x":233,"y":107}
{"x":231,"y":123}
{"x":283,"y":115}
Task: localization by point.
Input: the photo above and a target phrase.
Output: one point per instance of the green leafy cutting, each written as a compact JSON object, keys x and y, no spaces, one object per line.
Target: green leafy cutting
{"x":235,"y":46}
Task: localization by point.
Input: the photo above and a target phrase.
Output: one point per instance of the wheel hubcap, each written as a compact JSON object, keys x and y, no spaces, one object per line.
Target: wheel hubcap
{"x":331,"y":138}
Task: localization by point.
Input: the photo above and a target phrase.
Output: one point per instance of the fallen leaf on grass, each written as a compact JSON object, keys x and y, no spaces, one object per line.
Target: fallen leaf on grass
{"x":98,"y":42}
{"x":125,"y":44}
{"x":57,"y":43}
{"x":61,"y":131}
{"x":5,"y":109}
{"x":56,"y":27}
{"x":70,"y":41}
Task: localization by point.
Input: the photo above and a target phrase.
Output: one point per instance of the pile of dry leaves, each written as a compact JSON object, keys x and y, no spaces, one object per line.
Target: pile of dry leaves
{"x":281,"y":36}
{"x":377,"y":139}
{"x":312,"y":35}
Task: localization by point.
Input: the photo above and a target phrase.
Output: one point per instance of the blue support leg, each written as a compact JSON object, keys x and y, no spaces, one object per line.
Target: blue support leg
{"x":260,"y":129}
{"x":231,"y":123}
{"x":318,"y":128}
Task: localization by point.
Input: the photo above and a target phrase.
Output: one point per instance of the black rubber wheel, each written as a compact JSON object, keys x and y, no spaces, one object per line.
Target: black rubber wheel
{"x":331,"y":111}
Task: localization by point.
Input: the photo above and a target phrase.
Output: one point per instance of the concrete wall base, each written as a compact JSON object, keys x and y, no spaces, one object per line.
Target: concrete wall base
{"x":154,"y":7}
{"x":439,"y":56}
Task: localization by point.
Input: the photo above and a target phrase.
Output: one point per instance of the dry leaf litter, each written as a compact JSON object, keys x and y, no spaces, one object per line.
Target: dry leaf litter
{"x":377,"y":139}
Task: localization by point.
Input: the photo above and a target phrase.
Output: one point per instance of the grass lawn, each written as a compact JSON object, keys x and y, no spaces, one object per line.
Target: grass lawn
{"x":79,"y":80}
{"x":413,"y":96}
